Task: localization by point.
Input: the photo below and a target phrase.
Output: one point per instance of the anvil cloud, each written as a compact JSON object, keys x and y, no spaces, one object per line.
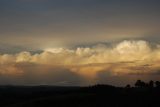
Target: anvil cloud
{"x":83,"y":65}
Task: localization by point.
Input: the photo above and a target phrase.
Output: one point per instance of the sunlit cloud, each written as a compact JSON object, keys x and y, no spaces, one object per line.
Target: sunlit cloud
{"x":125,"y":58}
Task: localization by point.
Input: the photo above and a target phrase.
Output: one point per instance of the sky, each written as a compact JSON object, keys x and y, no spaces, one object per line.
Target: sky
{"x":79,"y":42}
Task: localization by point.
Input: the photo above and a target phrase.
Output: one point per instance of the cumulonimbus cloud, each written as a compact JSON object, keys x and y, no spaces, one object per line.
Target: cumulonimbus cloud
{"x":127,"y":57}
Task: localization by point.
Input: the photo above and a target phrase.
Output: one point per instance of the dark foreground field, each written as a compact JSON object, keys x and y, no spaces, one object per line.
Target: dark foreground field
{"x":95,"y":96}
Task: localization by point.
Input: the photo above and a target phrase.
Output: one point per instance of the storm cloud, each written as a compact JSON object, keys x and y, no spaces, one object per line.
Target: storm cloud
{"x":81,"y":66}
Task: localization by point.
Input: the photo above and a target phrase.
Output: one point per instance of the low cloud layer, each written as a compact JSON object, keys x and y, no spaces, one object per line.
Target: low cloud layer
{"x":84,"y":65}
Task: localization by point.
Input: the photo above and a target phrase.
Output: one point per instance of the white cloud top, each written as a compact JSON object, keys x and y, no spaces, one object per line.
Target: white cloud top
{"x":127,"y":57}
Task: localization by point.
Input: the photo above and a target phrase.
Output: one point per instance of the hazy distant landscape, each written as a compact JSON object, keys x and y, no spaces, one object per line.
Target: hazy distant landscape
{"x":142,"y":95}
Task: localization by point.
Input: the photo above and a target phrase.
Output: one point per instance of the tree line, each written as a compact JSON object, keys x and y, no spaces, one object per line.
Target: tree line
{"x":141,"y":84}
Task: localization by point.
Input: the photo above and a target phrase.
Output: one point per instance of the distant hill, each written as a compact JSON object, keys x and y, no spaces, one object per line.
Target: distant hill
{"x":92,"y":96}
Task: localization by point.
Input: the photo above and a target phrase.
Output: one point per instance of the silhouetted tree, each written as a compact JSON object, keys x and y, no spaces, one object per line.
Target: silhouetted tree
{"x":140,"y":83}
{"x":157,"y":84}
{"x":151,"y":84}
{"x":128,"y":86}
